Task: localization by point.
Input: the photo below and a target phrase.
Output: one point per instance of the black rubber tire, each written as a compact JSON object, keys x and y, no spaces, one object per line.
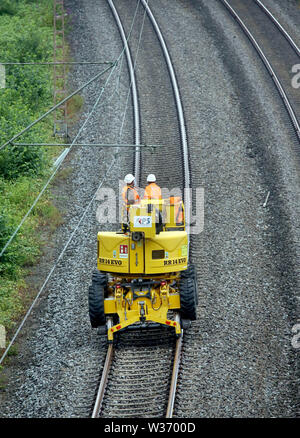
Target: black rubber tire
{"x":191,"y":272}
{"x":96,"y":299}
{"x":188,"y":301}
{"x":100,"y":276}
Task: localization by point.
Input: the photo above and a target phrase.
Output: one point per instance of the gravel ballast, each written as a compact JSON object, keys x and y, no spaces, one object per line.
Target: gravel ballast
{"x":238,"y":360}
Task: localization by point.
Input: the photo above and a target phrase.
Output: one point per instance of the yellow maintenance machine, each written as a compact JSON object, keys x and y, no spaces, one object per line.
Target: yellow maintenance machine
{"x":143,"y":271}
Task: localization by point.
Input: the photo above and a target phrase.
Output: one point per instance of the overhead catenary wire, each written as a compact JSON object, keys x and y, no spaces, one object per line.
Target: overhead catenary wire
{"x":59,"y":63}
{"x":136,"y":117}
{"x":104,"y":378}
{"x":11,"y":140}
{"x":56,"y":169}
{"x":113,"y":67}
{"x":132,"y":87}
{"x":78,"y":224}
{"x":55,"y":264}
{"x":105,"y":102}
{"x":101,"y":145}
{"x":180,"y":113}
{"x":59,"y":257}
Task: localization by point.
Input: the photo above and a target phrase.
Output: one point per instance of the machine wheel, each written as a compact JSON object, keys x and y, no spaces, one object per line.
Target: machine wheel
{"x":101,"y":278}
{"x":192,"y":273}
{"x":96,"y":299}
{"x":188,"y":301}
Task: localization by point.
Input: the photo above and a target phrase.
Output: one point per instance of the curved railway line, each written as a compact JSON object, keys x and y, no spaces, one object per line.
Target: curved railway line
{"x":134,"y":360}
{"x":141,"y":369}
{"x":274,"y":45}
{"x":134,"y":93}
{"x":276,"y":65}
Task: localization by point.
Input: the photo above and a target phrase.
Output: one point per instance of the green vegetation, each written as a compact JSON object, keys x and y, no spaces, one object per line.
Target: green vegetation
{"x":74,"y":106}
{"x":26,"y":35}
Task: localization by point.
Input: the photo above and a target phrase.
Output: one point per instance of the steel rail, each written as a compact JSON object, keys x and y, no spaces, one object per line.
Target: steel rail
{"x":173,"y":386}
{"x":134,"y":93}
{"x":280,"y":27}
{"x":269,"y":67}
{"x":187,"y":185}
{"x":137,"y":164}
{"x":103,"y":382}
{"x":182,"y":127}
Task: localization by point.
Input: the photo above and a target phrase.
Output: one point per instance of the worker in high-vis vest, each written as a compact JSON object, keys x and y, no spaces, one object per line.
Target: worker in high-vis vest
{"x":129,"y":194}
{"x":178,"y":210}
{"x":130,"y":197}
{"x":152,"y":190}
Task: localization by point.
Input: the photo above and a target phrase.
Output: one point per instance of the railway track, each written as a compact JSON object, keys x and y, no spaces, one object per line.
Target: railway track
{"x":136,"y":354}
{"x":277,"y":49}
{"x":139,"y":359}
{"x":124,"y":393}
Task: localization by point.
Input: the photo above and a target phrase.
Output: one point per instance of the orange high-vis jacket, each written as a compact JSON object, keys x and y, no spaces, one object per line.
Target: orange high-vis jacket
{"x":178,"y":209}
{"x":152,"y":191}
{"x":130,"y":195}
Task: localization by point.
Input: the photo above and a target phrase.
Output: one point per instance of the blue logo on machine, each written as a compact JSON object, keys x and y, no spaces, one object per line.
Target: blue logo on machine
{"x":142,"y":222}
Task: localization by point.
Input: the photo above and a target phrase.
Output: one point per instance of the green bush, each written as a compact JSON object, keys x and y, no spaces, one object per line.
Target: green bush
{"x":16,"y":161}
{"x":26,"y":35}
{"x":8,"y":7}
{"x":28,"y":93}
{"x":7,"y":258}
{"x":15,"y":199}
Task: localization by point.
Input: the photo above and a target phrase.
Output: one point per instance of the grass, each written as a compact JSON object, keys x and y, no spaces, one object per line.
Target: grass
{"x":74,"y":106}
{"x":26,"y":35}
{"x":16,"y":197}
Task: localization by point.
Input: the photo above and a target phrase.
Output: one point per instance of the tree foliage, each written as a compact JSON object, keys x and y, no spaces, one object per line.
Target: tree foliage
{"x":26,"y":35}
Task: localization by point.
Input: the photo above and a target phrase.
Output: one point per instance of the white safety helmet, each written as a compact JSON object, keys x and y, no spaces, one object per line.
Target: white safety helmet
{"x":151,"y":178}
{"x":129,"y":178}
